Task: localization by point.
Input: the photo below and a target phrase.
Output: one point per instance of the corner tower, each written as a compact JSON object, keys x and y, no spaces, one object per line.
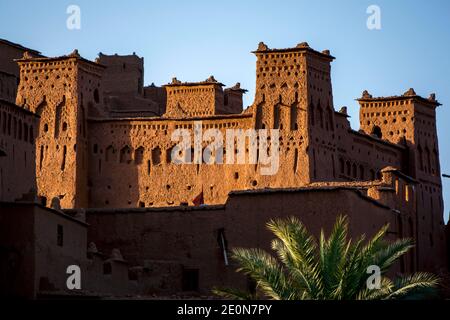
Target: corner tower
{"x":410,"y":120}
{"x":63,"y":91}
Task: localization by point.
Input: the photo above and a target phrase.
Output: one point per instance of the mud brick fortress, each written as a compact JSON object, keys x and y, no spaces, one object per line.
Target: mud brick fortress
{"x":85,"y":166}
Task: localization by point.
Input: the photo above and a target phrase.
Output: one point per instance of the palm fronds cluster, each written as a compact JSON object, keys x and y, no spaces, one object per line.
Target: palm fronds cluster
{"x":331,"y":269}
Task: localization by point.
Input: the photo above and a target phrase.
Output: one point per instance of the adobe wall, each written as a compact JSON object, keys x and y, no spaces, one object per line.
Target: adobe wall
{"x":157,"y":94}
{"x":123,"y":74}
{"x":189,"y":237}
{"x":33,"y":260}
{"x":8,"y":86}
{"x":140,"y":149}
{"x":61,"y":242}
{"x":17,"y":252}
{"x":18,"y":129}
{"x":361,"y":157}
{"x":233,"y":102}
{"x":186,"y":100}
{"x":38,"y":244}
{"x":120,"y":106}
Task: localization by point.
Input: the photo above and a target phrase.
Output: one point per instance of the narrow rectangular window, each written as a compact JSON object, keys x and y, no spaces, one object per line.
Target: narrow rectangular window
{"x":60,"y":235}
{"x":63,"y":164}
{"x":314,"y":164}
{"x":295,"y":160}
{"x":41,"y":157}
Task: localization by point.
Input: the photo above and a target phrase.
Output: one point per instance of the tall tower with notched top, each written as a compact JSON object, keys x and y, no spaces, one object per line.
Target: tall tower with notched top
{"x":410,"y":120}
{"x":63,"y":91}
{"x":294,"y":95}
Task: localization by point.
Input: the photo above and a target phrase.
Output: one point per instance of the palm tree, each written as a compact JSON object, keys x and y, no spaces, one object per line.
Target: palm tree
{"x":329,"y":269}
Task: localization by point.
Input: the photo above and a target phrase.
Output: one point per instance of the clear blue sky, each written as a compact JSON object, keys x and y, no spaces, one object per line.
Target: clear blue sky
{"x":194,"y":39}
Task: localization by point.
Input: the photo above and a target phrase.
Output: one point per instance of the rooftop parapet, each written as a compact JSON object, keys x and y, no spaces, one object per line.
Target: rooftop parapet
{"x":237,"y":88}
{"x":409,"y":94}
{"x":301,"y":47}
{"x":210,"y":81}
{"x":27,"y":57}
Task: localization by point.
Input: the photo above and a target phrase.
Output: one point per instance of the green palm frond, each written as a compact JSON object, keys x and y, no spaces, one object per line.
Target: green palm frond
{"x":298,"y":253}
{"x":354,"y":272}
{"x":265,"y":270}
{"x":360,"y":257}
{"x":389,"y":254}
{"x":333,"y":256}
{"x":374,"y":244}
{"x":417,"y":285}
{"x":298,"y":276}
{"x":300,"y":245}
